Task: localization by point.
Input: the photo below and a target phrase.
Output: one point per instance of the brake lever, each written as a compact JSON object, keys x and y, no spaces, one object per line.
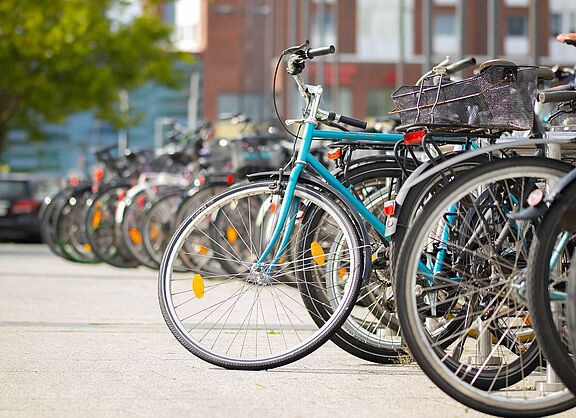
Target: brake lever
{"x":293,"y":49}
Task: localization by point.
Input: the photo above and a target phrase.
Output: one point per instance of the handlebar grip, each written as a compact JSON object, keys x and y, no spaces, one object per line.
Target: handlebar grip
{"x":317,"y":52}
{"x":348,"y":120}
{"x":460,"y":65}
{"x":556,"y":96}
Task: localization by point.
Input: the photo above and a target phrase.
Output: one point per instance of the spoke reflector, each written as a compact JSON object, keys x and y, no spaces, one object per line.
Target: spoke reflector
{"x":198,"y":286}
{"x":342,"y":272}
{"x":97,"y":218}
{"x":317,"y":253}
{"x":87,"y":248}
{"x":154,"y":231}
{"x":135,"y":236}
{"x":231,"y":235}
{"x":200,"y":249}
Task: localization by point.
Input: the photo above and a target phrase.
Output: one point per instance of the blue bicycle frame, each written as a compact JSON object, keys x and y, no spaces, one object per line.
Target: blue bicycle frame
{"x":287,"y":213}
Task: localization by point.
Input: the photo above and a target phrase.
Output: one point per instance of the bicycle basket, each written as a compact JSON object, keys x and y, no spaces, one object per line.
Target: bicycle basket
{"x":500,"y":97}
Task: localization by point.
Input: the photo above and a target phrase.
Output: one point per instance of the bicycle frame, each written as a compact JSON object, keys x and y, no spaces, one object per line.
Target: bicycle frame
{"x":287,"y":213}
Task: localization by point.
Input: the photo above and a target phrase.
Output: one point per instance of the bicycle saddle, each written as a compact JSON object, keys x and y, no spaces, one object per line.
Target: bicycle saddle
{"x":567,"y":38}
{"x":544,"y":73}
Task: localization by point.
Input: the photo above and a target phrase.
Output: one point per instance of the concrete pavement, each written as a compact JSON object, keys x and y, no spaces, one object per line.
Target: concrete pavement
{"x":89,"y":340}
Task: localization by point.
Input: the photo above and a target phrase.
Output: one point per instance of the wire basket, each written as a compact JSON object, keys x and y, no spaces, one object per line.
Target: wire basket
{"x":500,"y":98}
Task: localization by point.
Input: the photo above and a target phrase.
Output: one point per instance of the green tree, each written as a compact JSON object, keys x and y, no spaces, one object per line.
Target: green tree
{"x":58,"y":57}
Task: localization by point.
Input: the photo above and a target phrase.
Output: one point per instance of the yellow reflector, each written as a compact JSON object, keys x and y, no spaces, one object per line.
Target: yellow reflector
{"x":97,"y":218}
{"x":282,"y":259}
{"x":135,"y":236}
{"x":154,"y":231}
{"x":342,"y":273}
{"x":317,"y":253}
{"x":231,"y":234}
{"x":87,"y":248}
{"x":200,"y":249}
{"x":198,"y":286}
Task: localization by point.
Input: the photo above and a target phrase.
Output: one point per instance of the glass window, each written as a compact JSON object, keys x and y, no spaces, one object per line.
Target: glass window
{"x":344,"y":105}
{"x":444,"y":24}
{"x":379,"y":102}
{"x":324,"y":30}
{"x":248,"y":104}
{"x":516,"y":26}
{"x":555,"y":24}
{"x":13,"y":189}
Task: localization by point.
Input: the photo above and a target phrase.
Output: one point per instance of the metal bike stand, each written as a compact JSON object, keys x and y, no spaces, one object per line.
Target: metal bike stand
{"x":552,"y":383}
{"x":484,"y":347}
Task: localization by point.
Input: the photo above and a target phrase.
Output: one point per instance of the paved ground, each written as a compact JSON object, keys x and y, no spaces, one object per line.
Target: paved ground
{"x":89,"y":340}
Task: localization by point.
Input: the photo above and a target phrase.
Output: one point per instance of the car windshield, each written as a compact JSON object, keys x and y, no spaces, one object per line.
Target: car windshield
{"x":10,"y":189}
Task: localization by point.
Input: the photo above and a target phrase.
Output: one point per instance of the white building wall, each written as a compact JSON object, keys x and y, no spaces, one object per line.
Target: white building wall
{"x":187,"y":33}
{"x":378,"y":30}
{"x":557,"y":52}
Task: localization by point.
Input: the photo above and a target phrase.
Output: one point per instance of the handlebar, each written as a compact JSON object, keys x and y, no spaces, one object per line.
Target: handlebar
{"x":318,"y":52}
{"x":460,"y":65}
{"x":348,"y":120}
{"x":556,"y":96}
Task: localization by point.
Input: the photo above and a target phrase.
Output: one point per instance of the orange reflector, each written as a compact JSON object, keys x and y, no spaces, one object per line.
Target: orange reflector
{"x":135,"y":236}
{"x":198,"y":286}
{"x":334,"y":154}
{"x":282,"y":259}
{"x":389,"y":207}
{"x":273,"y":207}
{"x":342,"y":273}
{"x":231,"y":235}
{"x":87,"y":248}
{"x":317,"y":253}
{"x":200,"y":249}
{"x":154,"y":231}
{"x":413,"y":138}
{"x":97,"y":218}
{"x":528,"y":320}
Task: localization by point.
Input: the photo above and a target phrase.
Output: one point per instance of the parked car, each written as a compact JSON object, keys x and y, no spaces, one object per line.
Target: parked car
{"x":20,"y":199}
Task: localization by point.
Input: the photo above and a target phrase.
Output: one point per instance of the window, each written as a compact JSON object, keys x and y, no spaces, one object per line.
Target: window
{"x":516,"y":26}
{"x":379,"y":102}
{"x":248,"y":104}
{"x":324,"y":29}
{"x":445,"y":24}
{"x":555,"y":24}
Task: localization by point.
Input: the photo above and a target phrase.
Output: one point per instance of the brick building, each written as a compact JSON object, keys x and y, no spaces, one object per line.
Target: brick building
{"x":380,"y":44}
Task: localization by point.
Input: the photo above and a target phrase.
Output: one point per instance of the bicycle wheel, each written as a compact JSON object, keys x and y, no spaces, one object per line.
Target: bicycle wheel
{"x":473,"y":254}
{"x":198,"y":246}
{"x":250,"y":320}
{"x":49,"y":220}
{"x":571,"y":308}
{"x":371,"y":330}
{"x":130,"y":228}
{"x":549,"y":316}
{"x":69,"y":228}
{"x":101,"y":227}
{"x":159,"y":224}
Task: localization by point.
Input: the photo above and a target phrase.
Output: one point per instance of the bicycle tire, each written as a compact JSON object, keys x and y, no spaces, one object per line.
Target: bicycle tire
{"x":301,"y":348}
{"x":476,"y":391}
{"x":538,"y":277}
